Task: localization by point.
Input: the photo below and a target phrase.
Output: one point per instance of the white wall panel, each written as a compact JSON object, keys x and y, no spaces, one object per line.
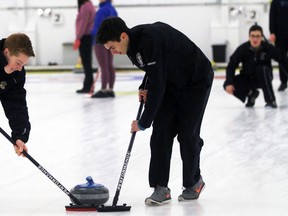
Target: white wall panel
{"x":194,"y":19}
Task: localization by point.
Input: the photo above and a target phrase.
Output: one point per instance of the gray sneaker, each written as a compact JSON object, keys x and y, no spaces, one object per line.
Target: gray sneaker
{"x":161,"y":195}
{"x":193,"y":192}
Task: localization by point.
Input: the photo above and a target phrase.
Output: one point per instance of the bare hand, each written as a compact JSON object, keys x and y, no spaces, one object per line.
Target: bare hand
{"x":19,"y":147}
{"x":272,"y":38}
{"x":134,"y":126}
{"x":142,"y":94}
{"x":230,"y":89}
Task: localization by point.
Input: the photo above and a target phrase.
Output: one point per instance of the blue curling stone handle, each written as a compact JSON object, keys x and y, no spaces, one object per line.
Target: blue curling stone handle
{"x":90,"y":184}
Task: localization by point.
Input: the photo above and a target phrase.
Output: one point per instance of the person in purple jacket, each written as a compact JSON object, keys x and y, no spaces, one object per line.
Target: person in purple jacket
{"x":83,"y":41}
{"x":104,"y":56}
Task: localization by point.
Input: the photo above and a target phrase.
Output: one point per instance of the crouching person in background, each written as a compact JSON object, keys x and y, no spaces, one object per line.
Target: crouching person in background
{"x":255,"y":56}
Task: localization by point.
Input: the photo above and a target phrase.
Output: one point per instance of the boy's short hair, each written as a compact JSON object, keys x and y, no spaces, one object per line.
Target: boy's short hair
{"x":110,"y":30}
{"x":256,"y":27}
{"x":19,"y":43}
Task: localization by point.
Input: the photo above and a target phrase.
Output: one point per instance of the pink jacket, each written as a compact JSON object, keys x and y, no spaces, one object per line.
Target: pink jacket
{"x":85,"y":20}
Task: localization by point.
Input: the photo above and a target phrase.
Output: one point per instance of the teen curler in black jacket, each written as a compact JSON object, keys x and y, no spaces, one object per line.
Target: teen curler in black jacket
{"x":15,"y":51}
{"x":256,"y":72}
{"x":179,"y":80}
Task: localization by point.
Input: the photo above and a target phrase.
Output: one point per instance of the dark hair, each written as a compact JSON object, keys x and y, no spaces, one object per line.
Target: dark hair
{"x":110,"y":30}
{"x":19,"y":43}
{"x":256,"y":27}
{"x":80,"y":3}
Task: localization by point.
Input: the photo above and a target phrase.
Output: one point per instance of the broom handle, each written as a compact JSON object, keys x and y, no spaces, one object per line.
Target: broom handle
{"x":127,"y":157}
{"x":128,"y":154}
{"x":42,"y":169}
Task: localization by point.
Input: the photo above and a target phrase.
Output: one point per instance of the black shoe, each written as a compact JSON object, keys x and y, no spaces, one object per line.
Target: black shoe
{"x":110,"y":93}
{"x":100,"y":94}
{"x":282,"y":87}
{"x":271,"y":104}
{"x":82,"y":91}
{"x":252,"y":98}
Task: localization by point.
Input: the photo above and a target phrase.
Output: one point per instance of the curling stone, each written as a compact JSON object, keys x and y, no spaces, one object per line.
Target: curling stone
{"x":90,"y":193}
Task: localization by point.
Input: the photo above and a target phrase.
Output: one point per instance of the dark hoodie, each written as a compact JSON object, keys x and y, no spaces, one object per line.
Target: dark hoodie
{"x":171,"y":61}
{"x":250,"y":59}
{"x":13,"y":99}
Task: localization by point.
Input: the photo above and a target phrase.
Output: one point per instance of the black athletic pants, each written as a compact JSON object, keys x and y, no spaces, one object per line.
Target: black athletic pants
{"x":85,"y":51}
{"x":262,"y":78}
{"x":180,"y":114}
{"x":282,"y":45}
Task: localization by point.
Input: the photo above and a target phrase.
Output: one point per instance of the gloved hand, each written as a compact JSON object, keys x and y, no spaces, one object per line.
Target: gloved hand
{"x":76,"y":44}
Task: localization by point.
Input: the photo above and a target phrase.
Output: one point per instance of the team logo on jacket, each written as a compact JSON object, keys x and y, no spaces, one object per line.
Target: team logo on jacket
{"x":3,"y":85}
{"x":139,"y":59}
{"x":262,"y":56}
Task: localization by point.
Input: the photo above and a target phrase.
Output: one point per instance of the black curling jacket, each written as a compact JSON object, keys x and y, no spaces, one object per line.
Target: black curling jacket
{"x":250,"y":59}
{"x":13,"y":99}
{"x":170,"y":60}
